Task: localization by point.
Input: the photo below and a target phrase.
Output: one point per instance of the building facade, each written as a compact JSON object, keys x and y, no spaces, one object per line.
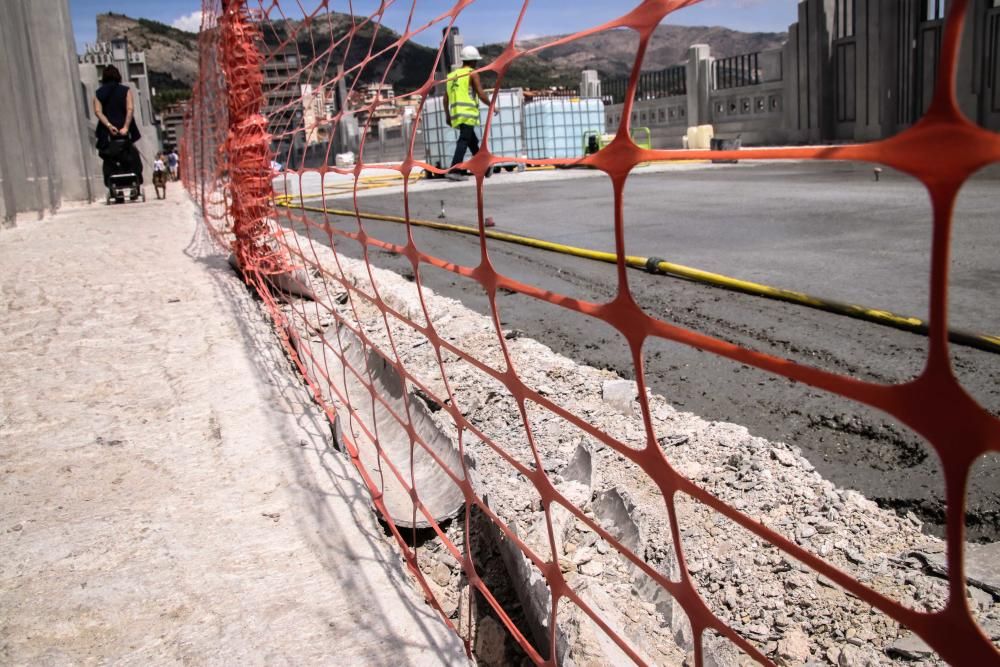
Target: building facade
{"x":851,"y":70}
{"x":282,"y":94}
{"x":172,"y":124}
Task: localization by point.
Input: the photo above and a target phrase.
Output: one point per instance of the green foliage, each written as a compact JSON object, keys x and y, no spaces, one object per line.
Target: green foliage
{"x":165,"y":81}
{"x":164,"y":99}
{"x":168,"y":90}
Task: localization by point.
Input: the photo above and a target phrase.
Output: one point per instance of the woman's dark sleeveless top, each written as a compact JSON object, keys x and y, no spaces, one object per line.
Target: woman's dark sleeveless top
{"x":112,"y":97}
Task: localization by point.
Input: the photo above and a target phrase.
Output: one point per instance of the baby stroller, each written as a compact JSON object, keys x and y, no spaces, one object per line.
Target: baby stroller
{"x":122,"y":171}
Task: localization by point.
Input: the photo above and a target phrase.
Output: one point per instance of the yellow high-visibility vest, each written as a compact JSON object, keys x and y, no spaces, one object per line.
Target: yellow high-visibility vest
{"x":463,"y":107}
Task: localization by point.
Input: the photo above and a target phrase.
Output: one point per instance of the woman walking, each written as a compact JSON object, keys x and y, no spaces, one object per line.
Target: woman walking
{"x":116,"y":129}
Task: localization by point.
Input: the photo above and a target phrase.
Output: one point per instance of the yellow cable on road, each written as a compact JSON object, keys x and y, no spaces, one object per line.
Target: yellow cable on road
{"x":988,"y":343}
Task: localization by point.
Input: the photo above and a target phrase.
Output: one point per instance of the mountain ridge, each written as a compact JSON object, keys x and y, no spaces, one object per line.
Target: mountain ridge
{"x":172,"y":54}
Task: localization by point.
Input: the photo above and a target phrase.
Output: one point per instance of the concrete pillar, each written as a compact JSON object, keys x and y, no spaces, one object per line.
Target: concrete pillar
{"x":89,"y":84}
{"x":62,"y":97}
{"x":25,"y":163}
{"x":699,"y":84}
{"x":972,"y":62}
{"x":887,"y":57}
{"x":42,"y":144}
{"x":869,"y":74}
{"x":802,"y":86}
{"x":790,"y":79}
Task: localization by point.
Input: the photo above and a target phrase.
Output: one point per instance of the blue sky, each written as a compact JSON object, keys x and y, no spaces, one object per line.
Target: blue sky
{"x":485,"y":21}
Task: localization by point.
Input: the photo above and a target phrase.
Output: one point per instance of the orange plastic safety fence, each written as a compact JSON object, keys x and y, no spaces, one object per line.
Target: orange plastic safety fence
{"x":227,"y":150}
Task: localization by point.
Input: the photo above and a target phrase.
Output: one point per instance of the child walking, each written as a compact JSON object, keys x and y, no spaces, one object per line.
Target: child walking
{"x":160,"y":175}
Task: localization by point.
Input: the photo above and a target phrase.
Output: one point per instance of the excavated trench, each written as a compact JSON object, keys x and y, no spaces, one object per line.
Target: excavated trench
{"x":598,"y":480}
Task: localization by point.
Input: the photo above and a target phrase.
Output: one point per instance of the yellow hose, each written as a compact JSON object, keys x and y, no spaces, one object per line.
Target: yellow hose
{"x":989,"y":343}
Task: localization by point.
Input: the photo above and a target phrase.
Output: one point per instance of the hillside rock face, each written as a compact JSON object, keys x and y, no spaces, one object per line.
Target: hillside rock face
{"x":168,"y":50}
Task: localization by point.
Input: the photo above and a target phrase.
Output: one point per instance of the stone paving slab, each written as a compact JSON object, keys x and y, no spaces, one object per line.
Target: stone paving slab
{"x":168,"y":494}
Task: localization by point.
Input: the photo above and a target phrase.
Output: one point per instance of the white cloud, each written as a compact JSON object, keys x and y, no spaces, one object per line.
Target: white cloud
{"x":190,"y":23}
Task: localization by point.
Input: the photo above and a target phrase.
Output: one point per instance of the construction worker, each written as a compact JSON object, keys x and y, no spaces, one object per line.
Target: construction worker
{"x":461,"y":108}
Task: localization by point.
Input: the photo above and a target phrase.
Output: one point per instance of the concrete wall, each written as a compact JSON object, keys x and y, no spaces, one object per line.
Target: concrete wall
{"x":44,"y":157}
{"x":666,"y":119}
{"x":753,"y":113}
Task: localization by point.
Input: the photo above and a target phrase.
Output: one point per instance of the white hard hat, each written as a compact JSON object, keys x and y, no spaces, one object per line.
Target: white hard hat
{"x":470,"y":53}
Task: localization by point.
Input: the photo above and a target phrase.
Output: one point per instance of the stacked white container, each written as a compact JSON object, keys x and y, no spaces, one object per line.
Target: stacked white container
{"x":554,"y":128}
{"x":506,"y":136}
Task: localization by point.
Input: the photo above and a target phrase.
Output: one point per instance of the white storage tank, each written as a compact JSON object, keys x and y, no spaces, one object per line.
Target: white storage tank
{"x":506,"y":137}
{"x":554,"y":128}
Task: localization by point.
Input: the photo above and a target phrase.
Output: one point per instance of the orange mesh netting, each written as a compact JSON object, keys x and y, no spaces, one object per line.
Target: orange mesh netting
{"x":228,"y":147}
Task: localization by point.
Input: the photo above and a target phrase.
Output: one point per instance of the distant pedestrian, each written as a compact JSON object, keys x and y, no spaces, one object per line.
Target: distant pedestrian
{"x":173,"y":161}
{"x":116,"y":128}
{"x":461,"y":108}
{"x":160,"y":176}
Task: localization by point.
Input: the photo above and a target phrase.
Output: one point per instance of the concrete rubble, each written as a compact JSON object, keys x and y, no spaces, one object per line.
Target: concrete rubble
{"x":791,"y":613}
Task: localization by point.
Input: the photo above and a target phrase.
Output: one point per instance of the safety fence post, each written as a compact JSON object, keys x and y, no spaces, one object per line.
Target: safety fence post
{"x":247,"y":147}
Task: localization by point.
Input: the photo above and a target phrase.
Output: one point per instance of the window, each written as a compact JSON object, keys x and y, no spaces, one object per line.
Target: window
{"x":843,"y":18}
{"x":934,"y":9}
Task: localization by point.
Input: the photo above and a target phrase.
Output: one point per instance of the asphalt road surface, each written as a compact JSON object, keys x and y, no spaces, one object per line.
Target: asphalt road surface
{"x":826,"y":229}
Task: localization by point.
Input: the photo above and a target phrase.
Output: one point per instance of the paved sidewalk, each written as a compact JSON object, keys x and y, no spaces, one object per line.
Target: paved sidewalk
{"x":167,"y":493}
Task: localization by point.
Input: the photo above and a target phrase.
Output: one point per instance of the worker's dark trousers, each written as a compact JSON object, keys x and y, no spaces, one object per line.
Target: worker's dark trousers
{"x":467,"y":139}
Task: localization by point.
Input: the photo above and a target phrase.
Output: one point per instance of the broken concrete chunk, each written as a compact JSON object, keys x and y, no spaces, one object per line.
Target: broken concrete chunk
{"x":910,"y":647}
{"x":580,"y":468}
{"x":592,"y":568}
{"x":576,"y":493}
{"x":793,"y":648}
{"x":783,"y":456}
{"x":620,"y":394}
{"x":982,"y":565}
{"x":614,"y":510}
